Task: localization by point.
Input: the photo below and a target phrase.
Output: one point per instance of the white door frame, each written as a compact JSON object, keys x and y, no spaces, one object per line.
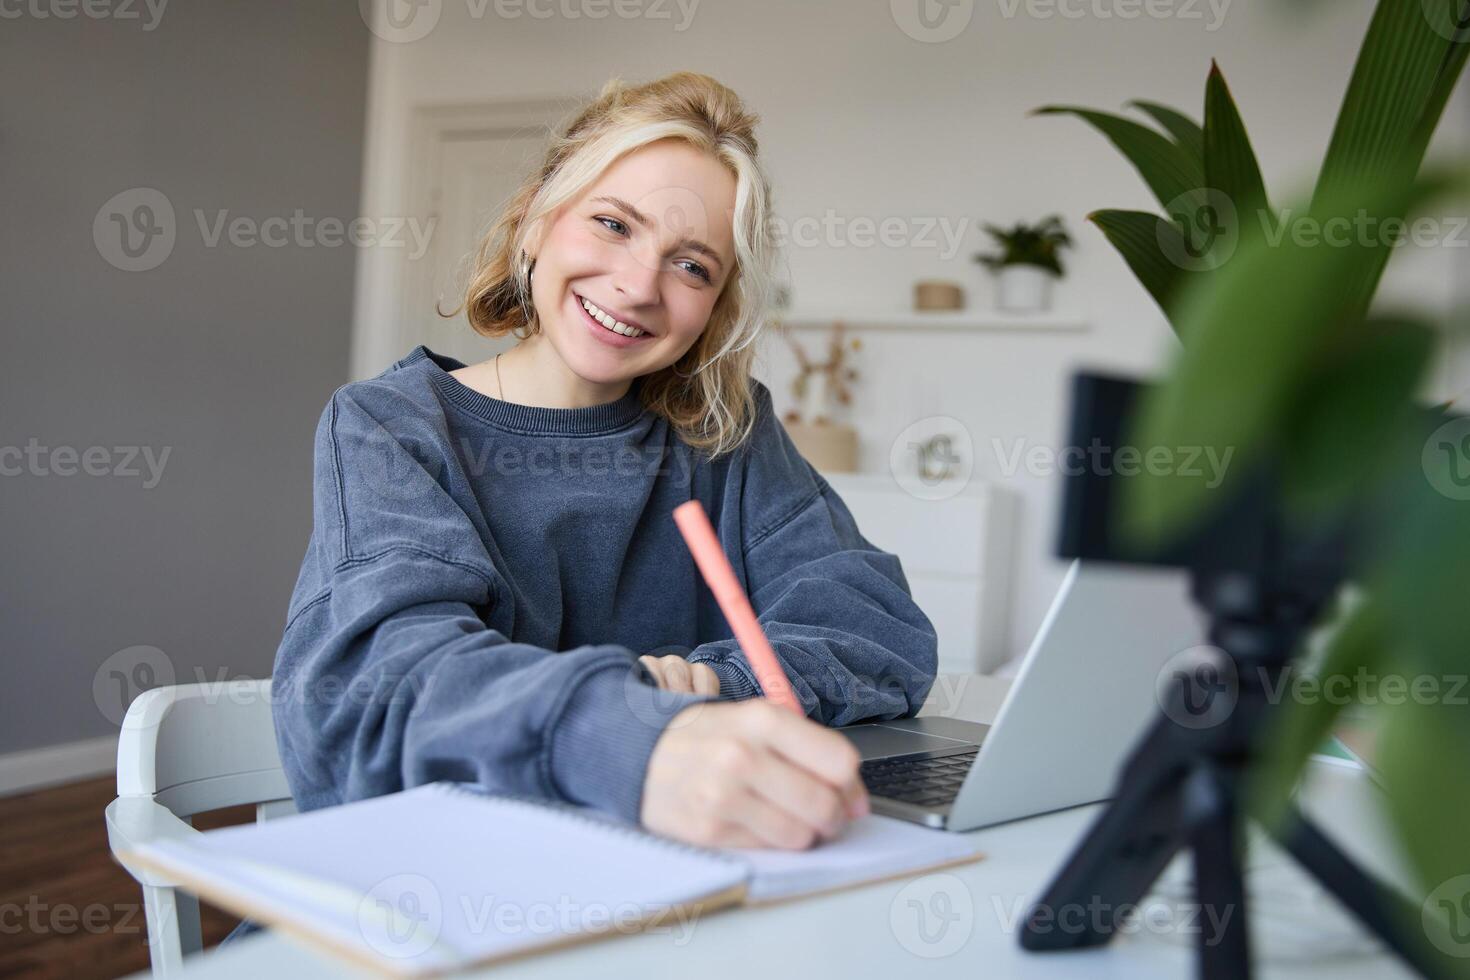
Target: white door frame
{"x":429,"y":128}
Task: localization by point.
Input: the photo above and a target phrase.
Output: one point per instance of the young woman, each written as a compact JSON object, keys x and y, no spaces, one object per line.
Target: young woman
{"x":495,"y":589}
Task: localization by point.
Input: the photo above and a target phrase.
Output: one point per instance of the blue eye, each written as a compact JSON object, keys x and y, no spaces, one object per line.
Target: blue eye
{"x":615,"y":221}
{"x":698,"y":270}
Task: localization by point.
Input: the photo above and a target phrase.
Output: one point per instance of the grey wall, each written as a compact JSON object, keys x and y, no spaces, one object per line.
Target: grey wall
{"x":221,"y":356}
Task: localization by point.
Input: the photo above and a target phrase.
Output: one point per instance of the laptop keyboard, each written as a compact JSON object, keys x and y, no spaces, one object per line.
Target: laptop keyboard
{"x":924,"y":782}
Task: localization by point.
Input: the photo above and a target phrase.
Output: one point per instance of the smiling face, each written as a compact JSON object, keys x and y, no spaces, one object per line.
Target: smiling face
{"x":650,"y":245}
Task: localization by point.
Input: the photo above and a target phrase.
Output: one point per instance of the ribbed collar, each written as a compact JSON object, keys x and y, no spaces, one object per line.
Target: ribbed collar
{"x":527,"y":419}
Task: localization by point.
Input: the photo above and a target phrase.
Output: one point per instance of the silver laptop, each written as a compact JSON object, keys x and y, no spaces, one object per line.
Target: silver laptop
{"x":1083,"y":696}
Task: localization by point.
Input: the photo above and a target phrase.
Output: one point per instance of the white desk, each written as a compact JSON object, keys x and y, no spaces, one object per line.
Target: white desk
{"x":874,"y":931}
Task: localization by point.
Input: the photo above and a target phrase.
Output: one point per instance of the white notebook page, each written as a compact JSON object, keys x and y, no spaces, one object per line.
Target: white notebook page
{"x":871,"y":848}
{"x":439,"y":874}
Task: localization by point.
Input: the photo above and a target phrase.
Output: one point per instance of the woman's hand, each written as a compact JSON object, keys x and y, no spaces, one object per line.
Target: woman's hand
{"x":750,"y":774}
{"x":674,"y":673}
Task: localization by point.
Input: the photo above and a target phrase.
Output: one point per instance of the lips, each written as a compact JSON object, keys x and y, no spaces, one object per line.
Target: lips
{"x":611,"y":338}
{"x":626,"y":321}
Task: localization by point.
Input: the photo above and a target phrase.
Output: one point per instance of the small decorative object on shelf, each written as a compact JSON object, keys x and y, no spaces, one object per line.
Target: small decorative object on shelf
{"x":829,"y":445}
{"x":934,"y":294}
{"x":1027,"y":264}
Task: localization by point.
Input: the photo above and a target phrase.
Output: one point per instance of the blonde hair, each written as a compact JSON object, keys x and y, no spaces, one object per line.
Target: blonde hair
{"x":706,"y":395}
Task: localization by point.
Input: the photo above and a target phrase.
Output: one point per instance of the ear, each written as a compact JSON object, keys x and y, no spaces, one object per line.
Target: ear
{"x":535,"y":233}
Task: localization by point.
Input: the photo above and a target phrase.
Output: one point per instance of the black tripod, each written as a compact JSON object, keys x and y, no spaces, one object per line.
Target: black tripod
{"x":1182,"y":788}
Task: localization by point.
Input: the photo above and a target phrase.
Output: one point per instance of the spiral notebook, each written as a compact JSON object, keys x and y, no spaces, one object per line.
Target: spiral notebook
{"x":446,"y":876}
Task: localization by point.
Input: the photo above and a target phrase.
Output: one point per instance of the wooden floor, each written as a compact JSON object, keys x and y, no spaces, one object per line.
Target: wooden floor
{"x":66,"y":908}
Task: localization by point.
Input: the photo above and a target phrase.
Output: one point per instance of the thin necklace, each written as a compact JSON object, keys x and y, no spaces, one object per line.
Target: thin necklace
{"x":499,"y":391}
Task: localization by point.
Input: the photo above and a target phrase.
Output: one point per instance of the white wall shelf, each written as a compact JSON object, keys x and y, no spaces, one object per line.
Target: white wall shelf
{"x":944,"y":320}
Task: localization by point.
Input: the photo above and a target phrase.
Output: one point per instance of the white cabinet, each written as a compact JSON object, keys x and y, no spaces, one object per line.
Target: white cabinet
{"x":956,"y":554}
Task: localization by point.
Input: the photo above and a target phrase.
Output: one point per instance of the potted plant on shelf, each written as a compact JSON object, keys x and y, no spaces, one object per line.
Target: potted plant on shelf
{"x":1027,"y":263}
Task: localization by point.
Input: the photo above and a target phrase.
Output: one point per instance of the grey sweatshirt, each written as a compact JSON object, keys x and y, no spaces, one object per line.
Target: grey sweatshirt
{"x":482,"y":576}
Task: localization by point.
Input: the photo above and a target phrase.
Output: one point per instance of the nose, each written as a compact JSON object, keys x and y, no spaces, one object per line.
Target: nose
{"x":637,"y":277}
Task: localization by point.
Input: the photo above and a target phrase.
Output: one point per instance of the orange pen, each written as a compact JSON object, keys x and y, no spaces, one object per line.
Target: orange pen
{"x":699,"y":535}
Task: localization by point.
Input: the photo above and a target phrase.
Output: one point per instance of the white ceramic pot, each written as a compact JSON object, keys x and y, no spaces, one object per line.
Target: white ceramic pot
{"x":1023,"y":289}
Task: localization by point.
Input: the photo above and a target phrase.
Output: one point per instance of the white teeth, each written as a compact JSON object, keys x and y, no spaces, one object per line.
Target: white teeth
{"x":616,"y":326}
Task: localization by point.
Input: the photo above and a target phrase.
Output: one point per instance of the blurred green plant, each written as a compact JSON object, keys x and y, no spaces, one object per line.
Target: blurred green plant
{"x":1024,"y":244}
{"x":1284,"y":360}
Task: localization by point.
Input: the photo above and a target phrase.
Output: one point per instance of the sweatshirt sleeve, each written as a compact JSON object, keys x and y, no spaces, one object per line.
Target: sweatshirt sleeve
{"x":387,"y":675}
{"x":837,"y":610}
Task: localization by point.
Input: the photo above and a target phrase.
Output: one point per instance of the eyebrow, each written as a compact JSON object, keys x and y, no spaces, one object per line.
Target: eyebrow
{"x":693,"y":244}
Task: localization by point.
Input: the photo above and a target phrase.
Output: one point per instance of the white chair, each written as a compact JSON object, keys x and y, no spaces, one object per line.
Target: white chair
{"x":185,"y":750}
